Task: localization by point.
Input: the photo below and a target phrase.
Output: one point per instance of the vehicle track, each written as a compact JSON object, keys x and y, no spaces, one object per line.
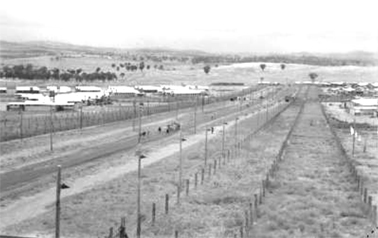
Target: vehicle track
{"x":313,"y":194}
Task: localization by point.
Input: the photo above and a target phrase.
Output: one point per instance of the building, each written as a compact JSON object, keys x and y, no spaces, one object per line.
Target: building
{"x":26,"y":89}
{"x":363,"y":106}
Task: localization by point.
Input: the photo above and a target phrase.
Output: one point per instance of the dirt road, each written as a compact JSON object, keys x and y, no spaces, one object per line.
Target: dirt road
{"x":313,"y":193}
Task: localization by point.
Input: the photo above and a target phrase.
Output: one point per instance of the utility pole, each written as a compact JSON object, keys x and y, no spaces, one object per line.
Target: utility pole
{"x":177,"y":109}
{"x":195,"y":116}
{"x":57,"y":204}
{"x":140,"y":124}
{"x":51,"y":130}
{"x":205,"y":146}
{"x":134,"y":113}
{"x":236,"y":133}
{"x":223,"y":138}
{"x":354,"y":135}
{"x":139,"y":227}
{"x":21,"y":119}
{"x":180,"y":171}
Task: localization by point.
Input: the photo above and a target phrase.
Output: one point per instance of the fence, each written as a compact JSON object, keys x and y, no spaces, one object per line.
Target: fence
{"x":217,"y":161}
{"x":22,"y":125}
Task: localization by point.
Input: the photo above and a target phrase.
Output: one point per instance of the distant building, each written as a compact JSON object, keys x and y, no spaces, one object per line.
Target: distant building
{"x":25,"y":89}
{"x":363,"y":106}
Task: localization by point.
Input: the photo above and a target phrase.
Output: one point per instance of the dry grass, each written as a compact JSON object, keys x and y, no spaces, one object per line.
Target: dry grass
{"x":94,"y":211}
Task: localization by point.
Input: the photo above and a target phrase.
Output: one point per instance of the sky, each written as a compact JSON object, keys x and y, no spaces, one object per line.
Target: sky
{"x":232,"y":26}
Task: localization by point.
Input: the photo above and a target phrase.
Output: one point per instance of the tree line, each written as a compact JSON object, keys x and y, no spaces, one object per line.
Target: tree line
{"x":32,"y":72}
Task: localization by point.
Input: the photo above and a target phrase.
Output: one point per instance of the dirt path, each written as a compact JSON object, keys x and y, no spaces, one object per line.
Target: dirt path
{"x":313,"y":193}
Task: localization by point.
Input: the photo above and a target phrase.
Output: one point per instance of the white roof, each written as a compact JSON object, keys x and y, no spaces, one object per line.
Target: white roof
{"x":27,"y":88}
{"x":148,"y":87}
{"x":3,"y":88}
{"x":122,"y":89}
{"x":88,"y":88}
{"x":366,"y":101}
{"x":59,"y":89}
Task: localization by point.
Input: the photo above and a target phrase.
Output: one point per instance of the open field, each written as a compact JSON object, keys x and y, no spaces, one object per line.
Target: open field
{"x":248,"y":73}
{"x":103,"y":187}
{"x":194,"y":159}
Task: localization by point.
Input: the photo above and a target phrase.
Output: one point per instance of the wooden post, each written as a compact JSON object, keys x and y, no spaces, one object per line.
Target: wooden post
{"x":209,"y":170}
{"x":250,"y":214}
{"x":187,"y":187}
{"x":166,"y":203}
{"x":365,"y":195}
{"x":375,"y":215}
{"x":122,"y":229}
{"x":195,"y":180}
{"x":202,"y":175}
{"x":260,"y":193}
{"x":176,"y":234}
{"x":256,"y":204}
{"x":241,"y":232}
{"x":354,"y":136}
{"x":57,"y":204}
{"x":246,"y":222}
{"x":263,"y":187}
{"x":215,"y":166}
{"x":178,"y":194}
{"x":111,"y":232}
{"x":153,"y":213}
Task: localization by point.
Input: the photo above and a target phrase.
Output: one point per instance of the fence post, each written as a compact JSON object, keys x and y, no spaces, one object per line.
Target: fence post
{"x":122,"y":229}
{"x":250,"y":214}
{"x":187,"y":187}
{"x":246,"y":222}
{"x":153,"y":213}
{"x":209,"y":170}
{"x":176,"y":234}
{"x":215,"y":166}
{"x":263,"y":187}
{"x":256,"y":208}
{"x":202,"y":175}
{"x":166,"y":203}
{"x":365,"y":195}
{"x":111,"y":232}
{"x":195,"y":180}
{"x":241,"y":232}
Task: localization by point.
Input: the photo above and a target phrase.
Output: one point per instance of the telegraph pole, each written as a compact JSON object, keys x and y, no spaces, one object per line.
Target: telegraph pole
{"x":354,"y":135}
{"x":57,"y":204}
{"x":205,"y":146}
{"x":51,"y":130}
{"x":195,"y":116}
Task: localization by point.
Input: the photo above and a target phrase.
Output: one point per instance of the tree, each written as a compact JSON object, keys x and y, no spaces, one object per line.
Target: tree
{"x":313,"y":76}
{"x":262,"y":66}
{"x":141,"y":66}
{"x":148,"y":67}
{"x":122,"y":75}
{"x":98,"y":69}
{"x":206,"y":69}
{"x":283,"y":66}
{"x":113,"y":65}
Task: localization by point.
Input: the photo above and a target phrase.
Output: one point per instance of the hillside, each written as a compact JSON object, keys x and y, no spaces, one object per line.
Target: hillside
{"x":15,"y":50}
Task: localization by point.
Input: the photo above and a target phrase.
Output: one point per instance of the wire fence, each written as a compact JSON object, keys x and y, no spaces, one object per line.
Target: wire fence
{"x":19,"y":125}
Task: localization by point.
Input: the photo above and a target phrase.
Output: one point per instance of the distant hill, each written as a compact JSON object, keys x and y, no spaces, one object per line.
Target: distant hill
{"x":40,"y":48}
{"x":11,"y":50}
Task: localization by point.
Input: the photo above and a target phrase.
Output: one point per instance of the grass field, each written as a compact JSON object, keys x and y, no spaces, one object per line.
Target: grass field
{"x":216,"y":208}
{"x":248,"y":73}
